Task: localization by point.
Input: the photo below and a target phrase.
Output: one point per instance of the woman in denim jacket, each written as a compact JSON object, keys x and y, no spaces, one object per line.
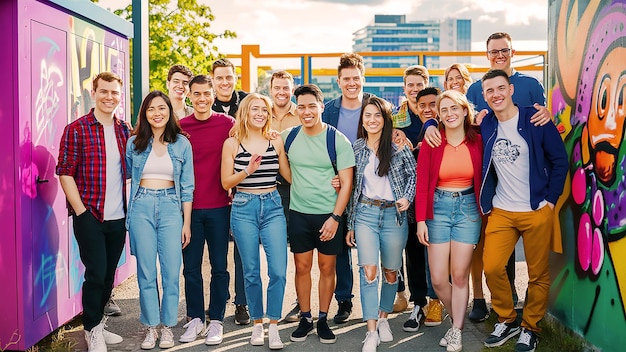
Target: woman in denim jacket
{"x":160,"y":162}
{"x":377,"y":221}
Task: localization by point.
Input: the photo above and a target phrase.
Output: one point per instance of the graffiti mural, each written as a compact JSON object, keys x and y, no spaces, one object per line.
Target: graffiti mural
{"x":587,"y":87}
{"x":53,"y":53}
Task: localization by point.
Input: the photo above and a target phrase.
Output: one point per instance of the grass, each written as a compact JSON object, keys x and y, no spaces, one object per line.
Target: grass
{"x":56,"y":341}
{"x":554,"y":337}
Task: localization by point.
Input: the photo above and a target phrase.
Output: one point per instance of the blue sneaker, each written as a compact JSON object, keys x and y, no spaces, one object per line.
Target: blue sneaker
{"x":527,"y":341}
{"x":502,"y":332}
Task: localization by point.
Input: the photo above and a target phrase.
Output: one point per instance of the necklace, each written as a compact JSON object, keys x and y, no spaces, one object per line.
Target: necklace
{"x":456,"y":147}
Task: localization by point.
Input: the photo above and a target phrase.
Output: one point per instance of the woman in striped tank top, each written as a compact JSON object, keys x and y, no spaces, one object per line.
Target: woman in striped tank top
{"x":251,"y":160}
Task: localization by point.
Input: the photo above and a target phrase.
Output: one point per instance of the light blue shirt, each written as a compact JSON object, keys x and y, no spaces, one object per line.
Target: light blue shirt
{"x":348,"y":122}
{"x":182,"y":160}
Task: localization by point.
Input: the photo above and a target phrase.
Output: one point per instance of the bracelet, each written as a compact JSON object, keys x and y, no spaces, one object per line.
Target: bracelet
{"x":336,"y":217}
{"x":245,"y":171}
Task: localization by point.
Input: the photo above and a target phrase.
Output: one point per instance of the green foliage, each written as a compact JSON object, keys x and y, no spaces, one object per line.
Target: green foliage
{"x":180,"y":33}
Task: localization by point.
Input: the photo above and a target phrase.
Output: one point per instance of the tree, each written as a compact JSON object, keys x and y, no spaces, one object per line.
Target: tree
{"x":179,"y":34}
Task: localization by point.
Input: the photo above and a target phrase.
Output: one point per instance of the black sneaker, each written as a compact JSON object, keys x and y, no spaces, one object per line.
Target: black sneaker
{"x":527,"y":341}
{"x":479,"y":312}
{"x":304,"y":328}
{"x":294,"y":314}
{"x":323,"y":331}
{"x":413,"y":324}
{"x":241,"y":315}
{"x":343,"y":312}
{"x":502,"y":332}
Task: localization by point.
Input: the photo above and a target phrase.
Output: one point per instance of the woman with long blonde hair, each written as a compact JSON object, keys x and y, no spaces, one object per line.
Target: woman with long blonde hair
{"x":251,"y":160}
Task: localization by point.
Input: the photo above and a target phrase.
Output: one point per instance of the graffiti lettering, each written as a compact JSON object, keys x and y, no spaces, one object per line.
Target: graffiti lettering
{"x":47,"y":103}
{"x":52,"y":268}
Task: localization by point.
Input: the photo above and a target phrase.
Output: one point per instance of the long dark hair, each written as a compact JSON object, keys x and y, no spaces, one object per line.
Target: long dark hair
{"x":385,"y":147}
{"x":144,"y":131}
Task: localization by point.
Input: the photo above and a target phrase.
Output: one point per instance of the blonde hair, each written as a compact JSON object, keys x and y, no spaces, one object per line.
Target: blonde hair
{"x":461,"y":100}
{"x":464,"y":73}
{"x":240,"y":130}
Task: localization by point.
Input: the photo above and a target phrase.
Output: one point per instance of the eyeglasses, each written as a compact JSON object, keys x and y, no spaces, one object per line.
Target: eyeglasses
{"x":504,"y":52}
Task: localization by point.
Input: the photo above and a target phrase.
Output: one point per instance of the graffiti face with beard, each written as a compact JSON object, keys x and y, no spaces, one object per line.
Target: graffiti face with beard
{"x":605,"y":126}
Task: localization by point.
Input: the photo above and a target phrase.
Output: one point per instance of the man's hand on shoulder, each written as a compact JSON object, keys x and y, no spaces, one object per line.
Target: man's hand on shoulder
{"x":542,"y":116}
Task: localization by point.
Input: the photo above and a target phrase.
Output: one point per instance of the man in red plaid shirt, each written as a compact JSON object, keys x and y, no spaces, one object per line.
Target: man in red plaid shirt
{"x":93,"y":174}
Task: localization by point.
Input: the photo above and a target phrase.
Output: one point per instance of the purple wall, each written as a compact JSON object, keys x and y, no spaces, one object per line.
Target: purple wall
{"x":52,"y":57}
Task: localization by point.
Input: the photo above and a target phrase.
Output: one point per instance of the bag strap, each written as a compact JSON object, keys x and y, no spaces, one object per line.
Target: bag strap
{"x":291,"y":136}
{"x":330,"y":145}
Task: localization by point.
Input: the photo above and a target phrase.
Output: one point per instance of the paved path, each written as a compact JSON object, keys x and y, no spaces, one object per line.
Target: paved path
{"x":236,"y":337}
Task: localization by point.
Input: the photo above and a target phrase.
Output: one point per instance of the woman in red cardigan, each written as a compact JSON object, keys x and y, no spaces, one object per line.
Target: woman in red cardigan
{"x":446,"y":207}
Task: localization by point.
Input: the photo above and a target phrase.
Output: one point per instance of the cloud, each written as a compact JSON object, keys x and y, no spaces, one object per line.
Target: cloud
{"x":354,"y":2}
{"x":523,"y":19}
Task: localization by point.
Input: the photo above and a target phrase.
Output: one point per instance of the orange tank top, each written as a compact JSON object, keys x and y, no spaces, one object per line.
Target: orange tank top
{"x":456,"y":169}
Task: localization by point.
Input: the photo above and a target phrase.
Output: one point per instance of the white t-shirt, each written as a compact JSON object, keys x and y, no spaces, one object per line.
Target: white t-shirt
{"x":374,"y":186}
{"x":113,"y":198}
{"x":511,"y":159}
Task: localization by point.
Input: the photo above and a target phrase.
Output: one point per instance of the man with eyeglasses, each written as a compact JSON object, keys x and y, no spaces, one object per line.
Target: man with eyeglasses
{"x":528,"y":90}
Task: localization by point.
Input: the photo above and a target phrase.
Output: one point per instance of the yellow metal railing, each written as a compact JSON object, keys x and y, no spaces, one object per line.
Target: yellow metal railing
{"x":251,"y":53}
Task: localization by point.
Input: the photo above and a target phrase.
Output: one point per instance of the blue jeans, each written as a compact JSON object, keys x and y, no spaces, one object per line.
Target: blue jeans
{"x":155,"y":230}
{"x":240,"y":291}
{"x":343,"y":268}
{"x":208,"y":226}
{"x":378,"y":235}
{"x":257,"y":217}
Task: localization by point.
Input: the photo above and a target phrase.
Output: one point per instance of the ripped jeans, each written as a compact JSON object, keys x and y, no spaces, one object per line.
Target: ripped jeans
{"x":379,"y":238}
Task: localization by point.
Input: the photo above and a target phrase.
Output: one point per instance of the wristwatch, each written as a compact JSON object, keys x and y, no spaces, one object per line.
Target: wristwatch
{"x":336,"y":217}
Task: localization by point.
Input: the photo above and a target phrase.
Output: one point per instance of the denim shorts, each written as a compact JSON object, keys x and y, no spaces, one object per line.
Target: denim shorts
{"x":456,"y":218}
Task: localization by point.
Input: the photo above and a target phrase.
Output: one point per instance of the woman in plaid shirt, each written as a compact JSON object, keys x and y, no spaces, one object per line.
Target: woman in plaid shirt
{"x":377,"y":221}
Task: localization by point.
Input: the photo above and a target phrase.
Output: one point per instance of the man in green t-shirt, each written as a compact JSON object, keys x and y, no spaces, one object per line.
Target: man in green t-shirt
{"x":316,"y":207}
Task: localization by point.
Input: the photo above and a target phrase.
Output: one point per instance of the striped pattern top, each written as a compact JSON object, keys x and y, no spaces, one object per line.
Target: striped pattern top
{"x":265,"y":175}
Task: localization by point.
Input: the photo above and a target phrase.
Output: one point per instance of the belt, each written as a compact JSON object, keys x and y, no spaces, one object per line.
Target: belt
{"x":377,"y":202}
{"x":455,"y":194}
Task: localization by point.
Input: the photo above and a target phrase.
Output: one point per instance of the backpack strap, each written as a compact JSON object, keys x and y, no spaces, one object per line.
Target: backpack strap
{"x":291,"y":136}
{"x":330,"y":145}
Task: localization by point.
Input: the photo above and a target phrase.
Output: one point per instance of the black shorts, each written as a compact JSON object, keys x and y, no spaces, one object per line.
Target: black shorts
{"x":304,"y":234}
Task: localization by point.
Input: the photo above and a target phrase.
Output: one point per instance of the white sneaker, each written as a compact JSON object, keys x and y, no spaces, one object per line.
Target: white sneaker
{"x":149,"y":342}
{"x":95,"y":339}
{"x":258,"y":335}
{"x":214,"y":333}
{"x":444,"y":340}
{"x":371,"y":342}
{"x":167,"y":337}
{"x":274,"y":338}
{"x":384,"y":331}
{"x":194,"y":328}
{"x":111,"y":338}
{"x":455,"y":342}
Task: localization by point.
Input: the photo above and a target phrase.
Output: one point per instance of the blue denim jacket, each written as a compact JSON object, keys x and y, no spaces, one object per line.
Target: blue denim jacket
{"x":401,"y":177}
{"x":182,"y":160}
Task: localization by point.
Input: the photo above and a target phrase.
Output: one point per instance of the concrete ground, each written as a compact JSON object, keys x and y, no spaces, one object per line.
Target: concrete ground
{"x":236,"y":338}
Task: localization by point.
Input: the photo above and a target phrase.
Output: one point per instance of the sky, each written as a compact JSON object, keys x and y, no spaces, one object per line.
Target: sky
{"x":318,"y":26}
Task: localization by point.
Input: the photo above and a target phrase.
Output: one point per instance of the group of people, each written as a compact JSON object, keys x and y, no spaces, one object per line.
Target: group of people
{"x":451,"y":178}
